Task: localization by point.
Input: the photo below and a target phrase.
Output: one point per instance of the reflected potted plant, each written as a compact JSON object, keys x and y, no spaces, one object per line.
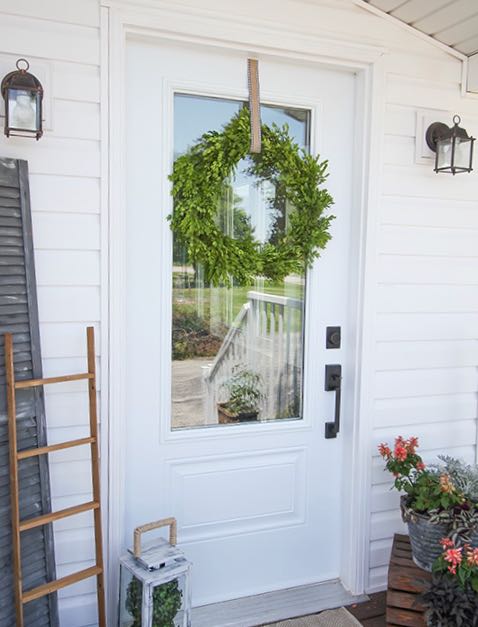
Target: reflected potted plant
{"x":439,"y":501}
{"x":244,"y":396}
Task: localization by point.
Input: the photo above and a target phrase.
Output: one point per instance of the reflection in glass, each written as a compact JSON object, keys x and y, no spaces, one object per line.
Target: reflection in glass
{"x":237,"y":352}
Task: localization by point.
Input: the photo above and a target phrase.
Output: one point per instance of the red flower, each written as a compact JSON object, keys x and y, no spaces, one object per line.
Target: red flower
{"x":384,"y":451}
{"x":453,"y":557}
{"x":420,"y":466}
{"x":446,"y":543}
{"x":400,"y":452}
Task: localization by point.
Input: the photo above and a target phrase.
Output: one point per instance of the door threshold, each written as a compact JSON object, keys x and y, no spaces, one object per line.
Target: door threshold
{"x":274,"y":606}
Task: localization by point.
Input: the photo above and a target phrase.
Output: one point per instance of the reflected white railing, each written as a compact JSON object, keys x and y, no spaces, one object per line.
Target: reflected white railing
{"x":265,"y":337}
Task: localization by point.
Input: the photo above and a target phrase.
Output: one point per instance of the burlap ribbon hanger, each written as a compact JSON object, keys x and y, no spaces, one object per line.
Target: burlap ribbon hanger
{"x":254,"y":104}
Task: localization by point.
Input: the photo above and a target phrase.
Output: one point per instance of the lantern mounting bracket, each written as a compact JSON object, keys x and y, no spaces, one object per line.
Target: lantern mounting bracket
{"x":434,"y":132}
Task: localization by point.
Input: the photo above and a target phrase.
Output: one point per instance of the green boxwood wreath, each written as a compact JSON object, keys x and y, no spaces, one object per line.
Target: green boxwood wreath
{"x":197,"y":181}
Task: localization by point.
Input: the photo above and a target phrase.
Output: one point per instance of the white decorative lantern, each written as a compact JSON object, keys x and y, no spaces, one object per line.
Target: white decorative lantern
{"x":155,"y":582}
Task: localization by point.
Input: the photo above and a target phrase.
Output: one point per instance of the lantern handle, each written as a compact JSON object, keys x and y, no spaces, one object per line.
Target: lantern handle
{"x":22,"y":69}
{"x":164,"y":522}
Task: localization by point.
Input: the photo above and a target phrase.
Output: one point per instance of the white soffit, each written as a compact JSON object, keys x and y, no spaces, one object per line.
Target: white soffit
{"x":452,"y":22}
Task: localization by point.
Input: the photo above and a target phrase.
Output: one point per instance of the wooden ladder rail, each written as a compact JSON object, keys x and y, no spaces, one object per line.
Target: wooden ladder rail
{"x":21,"y":596}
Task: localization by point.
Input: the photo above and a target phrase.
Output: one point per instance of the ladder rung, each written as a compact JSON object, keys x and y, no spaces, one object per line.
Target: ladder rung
{"x":33,"y":383}
{"x":42,"y":450}
{"x":38,"y":521}
{"x":53,"y":586}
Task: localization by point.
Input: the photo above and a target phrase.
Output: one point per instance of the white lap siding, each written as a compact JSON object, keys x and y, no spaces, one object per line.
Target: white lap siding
{"x":61,"y":42}
{"x":426,"y":292}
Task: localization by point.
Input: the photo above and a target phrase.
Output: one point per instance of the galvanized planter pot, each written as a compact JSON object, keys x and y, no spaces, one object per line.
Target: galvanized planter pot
{"x":425,"y":536}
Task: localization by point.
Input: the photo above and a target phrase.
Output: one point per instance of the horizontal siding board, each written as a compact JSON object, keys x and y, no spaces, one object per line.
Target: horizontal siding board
{"x":64,"y":42}
{"x":422,"y":240}
{"x":385,"y":524}
{"x":76,"y":82}
{"x":380,"y":551}
{"x":63,"y":231}
{"x":428,"y":212}
{"x":68,"y":268}
{"x":66,"y":409}
{"x":411,"y":383}
{"x":433,"y":436}
{"x":70,"y":478}
{"x":401,"y":62}
{"x":66,"y":340}
{"x":85,"y":12}
{"x":427,"y":298}
{"x":65,"y":194}
{"x":68,"y":304}
{"x":429,"y":326}
{"x":64,"y":157}
{"x":420,"y":355}
{"x":80,"y":120}
{"x":399,"y":412}
{"x":422,"y":182}
{"x":79,"y":611}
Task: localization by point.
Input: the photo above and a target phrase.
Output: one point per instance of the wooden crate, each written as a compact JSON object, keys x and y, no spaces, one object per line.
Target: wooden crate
{"x":406,"y":582}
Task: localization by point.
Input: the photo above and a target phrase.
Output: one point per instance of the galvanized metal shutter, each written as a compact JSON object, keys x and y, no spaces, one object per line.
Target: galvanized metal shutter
{"x":19,"y":315}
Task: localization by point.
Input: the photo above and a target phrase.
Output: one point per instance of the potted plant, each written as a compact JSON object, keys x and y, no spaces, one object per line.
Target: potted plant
{"x":452,"y":599}
{"x":244,"y":396}
{"x":167,"y":600}
{"x":439,"y":500}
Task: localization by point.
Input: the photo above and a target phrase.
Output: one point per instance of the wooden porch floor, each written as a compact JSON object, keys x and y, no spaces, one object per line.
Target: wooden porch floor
{"x":371,"y":613}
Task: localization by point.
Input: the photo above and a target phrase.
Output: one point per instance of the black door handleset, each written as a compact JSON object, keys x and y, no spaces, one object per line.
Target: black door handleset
{"x":333,"y":383}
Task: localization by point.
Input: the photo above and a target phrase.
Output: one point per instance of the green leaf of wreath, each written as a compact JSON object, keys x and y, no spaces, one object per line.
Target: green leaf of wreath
{"x":198,"y":179}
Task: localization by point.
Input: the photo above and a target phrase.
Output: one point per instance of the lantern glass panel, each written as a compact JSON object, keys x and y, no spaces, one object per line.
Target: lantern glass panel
{"x":443,"y":153}
{"x":23,"y":110}
{"x":154,"y":601}
{"x":462,"y":153}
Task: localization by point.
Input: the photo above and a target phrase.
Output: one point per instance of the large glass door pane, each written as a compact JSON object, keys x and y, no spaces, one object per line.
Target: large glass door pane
{"x":237,"y":352}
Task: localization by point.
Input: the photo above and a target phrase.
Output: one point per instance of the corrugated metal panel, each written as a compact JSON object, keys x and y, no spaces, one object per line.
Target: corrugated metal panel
{"x":19,"y":315}
{"x":454,"y":22}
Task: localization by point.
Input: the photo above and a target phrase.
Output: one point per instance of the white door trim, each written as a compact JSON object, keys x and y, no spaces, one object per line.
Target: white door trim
{"x":121,"y":20}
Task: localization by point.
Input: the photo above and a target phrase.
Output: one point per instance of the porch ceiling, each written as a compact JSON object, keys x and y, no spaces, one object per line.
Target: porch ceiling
{"x":453,"y":22}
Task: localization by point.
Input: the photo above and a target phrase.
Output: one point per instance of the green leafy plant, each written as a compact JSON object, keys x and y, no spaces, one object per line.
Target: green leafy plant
{"x":198,"y":180}
{"x":244,"y":390}
{"x":167,"y":600}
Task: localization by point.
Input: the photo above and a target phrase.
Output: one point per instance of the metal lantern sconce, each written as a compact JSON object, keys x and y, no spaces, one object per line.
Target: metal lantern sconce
{"x":23,"y":95}
{"x":453,"y":147}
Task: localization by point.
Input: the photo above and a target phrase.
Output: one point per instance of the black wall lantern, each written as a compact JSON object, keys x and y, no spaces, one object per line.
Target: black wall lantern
{"x":452,"y":146}
{"x":23,"y":95}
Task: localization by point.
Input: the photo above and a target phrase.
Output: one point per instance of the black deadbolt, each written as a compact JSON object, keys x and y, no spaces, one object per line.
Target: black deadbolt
{"x":332,"y":337}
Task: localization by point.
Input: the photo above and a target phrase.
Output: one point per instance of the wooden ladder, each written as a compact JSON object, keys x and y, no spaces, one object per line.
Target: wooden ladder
{"x":21,"y":596}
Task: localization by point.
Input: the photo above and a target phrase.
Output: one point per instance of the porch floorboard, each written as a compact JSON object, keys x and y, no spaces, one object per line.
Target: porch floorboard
{"x":371,"y":613}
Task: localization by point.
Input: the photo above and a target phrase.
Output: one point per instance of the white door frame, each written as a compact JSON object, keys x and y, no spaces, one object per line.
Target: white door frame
{"x":121,"y":19}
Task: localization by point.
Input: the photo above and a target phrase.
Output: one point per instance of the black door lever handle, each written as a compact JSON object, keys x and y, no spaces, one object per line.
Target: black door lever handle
{"x":333,"y":383}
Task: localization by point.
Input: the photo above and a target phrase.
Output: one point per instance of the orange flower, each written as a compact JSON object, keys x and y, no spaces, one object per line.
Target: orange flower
{"x":384,"y":451}
{"x":446,"y":484}
{"x":472,"y":557}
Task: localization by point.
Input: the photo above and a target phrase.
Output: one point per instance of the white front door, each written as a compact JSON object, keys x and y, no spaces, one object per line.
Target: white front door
{"x":257,"y":498}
